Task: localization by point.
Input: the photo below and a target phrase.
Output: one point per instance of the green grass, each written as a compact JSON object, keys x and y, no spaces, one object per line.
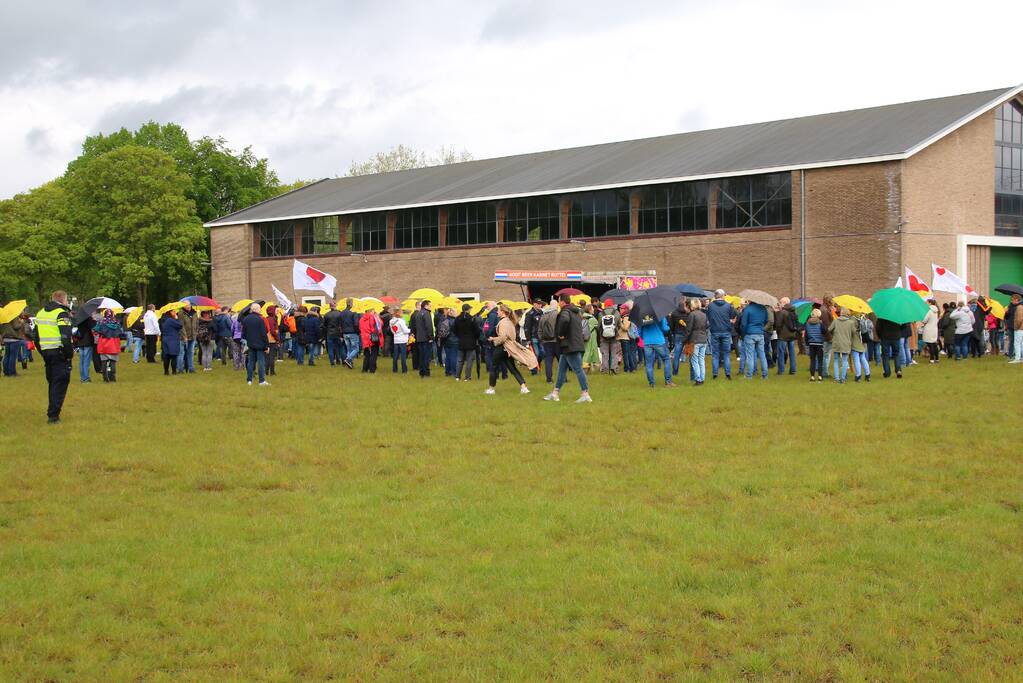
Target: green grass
{"x":343,"y":526}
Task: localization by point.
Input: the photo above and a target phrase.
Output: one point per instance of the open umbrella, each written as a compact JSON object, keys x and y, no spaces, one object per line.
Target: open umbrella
{"x":172,"y":306}
{"x":758,"y":297}
{"x":1009,"y":289}
{"x":240,"y":305}
{"x":803,"y":311}
{"x":997,"y":309}
{"x":389,"y":299}
{"x":580,"y":299}
{"x":651,"y":305}
{"x":734,"y":300}
{"x":99,"y":303}
{"x":134,"y":313}
{"x":201,"y":303}
{"x":618,"y":296}
{"x":426,"y":293}
{"x":853,"y":303}
{"x":899,"y":305}
{"x":568,"y":290}
{"x":690,"y":291}
{"x":12,"y":310}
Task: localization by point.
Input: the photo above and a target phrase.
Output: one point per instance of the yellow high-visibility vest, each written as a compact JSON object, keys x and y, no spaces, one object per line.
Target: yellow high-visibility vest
{"x":48,"y":329}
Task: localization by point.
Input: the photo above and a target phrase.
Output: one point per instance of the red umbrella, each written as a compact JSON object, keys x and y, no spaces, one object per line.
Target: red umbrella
{"x":388,"y":300}
{"x":571,"y":291}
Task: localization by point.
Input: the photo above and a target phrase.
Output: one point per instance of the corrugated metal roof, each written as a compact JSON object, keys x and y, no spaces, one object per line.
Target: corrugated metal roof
{"x":860,"y":135}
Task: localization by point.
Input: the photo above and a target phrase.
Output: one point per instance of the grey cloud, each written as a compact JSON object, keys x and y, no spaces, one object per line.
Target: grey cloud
{"x":38,"y":142}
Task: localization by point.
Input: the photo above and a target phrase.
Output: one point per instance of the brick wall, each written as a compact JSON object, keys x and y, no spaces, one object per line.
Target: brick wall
{"x":231,"y":249}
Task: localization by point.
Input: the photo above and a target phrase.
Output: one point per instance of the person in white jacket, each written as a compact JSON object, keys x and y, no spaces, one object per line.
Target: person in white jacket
{"x":151,"y":328}
{"x":963,"y":319}
{"x":400,"y":330}
{"x":929,"y":330}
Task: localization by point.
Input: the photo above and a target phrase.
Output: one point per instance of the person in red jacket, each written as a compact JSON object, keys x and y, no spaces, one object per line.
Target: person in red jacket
{"x":371,"y":331}
{"x":108,"y":344}
{"x":273,"y":333}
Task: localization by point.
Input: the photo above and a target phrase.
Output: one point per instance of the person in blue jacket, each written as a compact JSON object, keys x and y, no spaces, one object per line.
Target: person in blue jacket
{"x":170,"y":342}
{"x":751,"y":326}
{"x":222,"y":324}
{"x":311,"y":335}
{"x":656,"y":348}
{"x":720,"y":318}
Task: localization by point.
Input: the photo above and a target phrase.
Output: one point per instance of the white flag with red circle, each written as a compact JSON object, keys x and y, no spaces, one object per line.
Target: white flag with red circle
{"x":944,"y":280}
{"x":915,"y":284}
{"x":306,"y":277}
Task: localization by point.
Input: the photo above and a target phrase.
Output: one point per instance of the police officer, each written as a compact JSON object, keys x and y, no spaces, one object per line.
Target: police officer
{"x":53,"y":339}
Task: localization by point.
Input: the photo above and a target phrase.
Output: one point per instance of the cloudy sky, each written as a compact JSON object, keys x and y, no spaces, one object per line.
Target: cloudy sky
{"x":315,"y":85}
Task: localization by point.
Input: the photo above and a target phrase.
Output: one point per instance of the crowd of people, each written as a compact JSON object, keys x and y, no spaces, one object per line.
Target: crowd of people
{"x":552,"y":339}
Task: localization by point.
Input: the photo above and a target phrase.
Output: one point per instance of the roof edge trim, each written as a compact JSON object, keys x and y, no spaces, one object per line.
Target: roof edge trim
{"x":567,"y":190}
{"x":956,"y":125}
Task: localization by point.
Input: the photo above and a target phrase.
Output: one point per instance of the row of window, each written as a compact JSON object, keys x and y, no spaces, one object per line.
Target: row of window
{"x":1009,"y":169}
{"x":752,"y":201}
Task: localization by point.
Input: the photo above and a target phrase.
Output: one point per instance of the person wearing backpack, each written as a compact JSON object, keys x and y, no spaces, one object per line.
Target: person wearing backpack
{"x":569,"y":330}
{"x":861,"y":367}
{"x":610,"y":348}
{"x":548,"y":339}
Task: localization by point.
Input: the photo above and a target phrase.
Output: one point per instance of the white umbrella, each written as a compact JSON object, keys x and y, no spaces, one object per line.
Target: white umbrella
{"x":103,"y":302}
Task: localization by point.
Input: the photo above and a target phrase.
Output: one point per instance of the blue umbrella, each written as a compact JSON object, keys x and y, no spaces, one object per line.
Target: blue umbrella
{"x":689,"y":290}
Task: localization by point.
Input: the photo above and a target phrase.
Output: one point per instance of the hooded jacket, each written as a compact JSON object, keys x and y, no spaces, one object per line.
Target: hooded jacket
{"x":569,"y":330}
{"x":719,"y":316}
{"x":753,"y":319}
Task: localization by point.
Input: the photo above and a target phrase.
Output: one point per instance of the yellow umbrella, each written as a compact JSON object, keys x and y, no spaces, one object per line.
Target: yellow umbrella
{"x":451,"y":302}
{"x":997,"y":309}
{"x":172,"y":306}
{"x":12,"y":310}
{"x":853,"y":303}
{"x":734,"y":300}
{"x":475,"y":307}
{"x":239,"y":305}
{"x":521,"y":306}
{"x":134,"y":313}
{"x":580,"y":299}
{"x":366,"y":306}
{"x":426,"y":293}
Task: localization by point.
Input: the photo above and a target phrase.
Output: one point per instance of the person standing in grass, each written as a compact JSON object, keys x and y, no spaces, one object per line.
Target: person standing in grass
{"x":929,"y":330}
{"x":656,"y":348}
{"x":170,"y":342}
{"x":751,"y":327}
{"x":257,"y":341}
{"x":1014,"y":325}
{"x":860,"y":339}
{"x":151,"y":326}
{"x":468,"y":339}
{"x":399,"y":348}
{"x":610,"y":349}
{"x":138,"y":340}
{"x":696,"y":336}
{"x":423,"y":331}
{"x":108,"y":344}
{"x":531,"y":329}
{"x":813,"y":338}
{"x":205,"y":332}
{"x":591,"y":356}
{"x":842,"y":329}
{"x":273,"y":336}
{"x":311,"y":331}
{"x":448,"y":342}
{"x":85,"y":342}
{"x":890,"y":334}
{"x":371,"y":332}
{"x":549,"y":339}
{"x":786,"y":325}
{"x":53,"y":339}
{"x":332,"y":332}
{"x":189,"y":325}
{"x":507,"y":350}
{"x":720,"y":318}
{"x":963,"y":319}
{"x":12,"y":333}
{"x":622,"y":340}
{"x":569,"y":329}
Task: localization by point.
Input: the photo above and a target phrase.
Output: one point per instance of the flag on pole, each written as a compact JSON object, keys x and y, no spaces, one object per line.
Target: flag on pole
{"x":944,"y":280}
{"x":898,"y":283}
{"x":282,"y":301}
{"x":915,"y":284}
{"x":306,"y":277}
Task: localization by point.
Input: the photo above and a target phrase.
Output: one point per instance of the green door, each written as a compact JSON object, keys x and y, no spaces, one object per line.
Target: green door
{"x":1006,"y":266}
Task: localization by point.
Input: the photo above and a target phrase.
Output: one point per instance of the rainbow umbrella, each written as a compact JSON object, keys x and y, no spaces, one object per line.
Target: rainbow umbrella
{"x":201,"y":303}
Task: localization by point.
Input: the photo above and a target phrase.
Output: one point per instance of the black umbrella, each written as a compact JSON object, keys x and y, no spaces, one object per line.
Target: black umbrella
{"x":619,"y":296}
{"x":690,"y":291}
{"x":653,"y":304}
{"x":1009,"y":289}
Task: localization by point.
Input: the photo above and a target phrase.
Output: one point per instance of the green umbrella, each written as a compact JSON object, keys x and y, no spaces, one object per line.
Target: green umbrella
{"x":898,"y":305}
{"x":803,"y":311}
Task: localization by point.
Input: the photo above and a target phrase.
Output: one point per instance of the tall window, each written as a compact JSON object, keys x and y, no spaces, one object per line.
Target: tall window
{"x":532,"y":219}
{"x":754,"y":201}
{"x":321,"y":236}
{"x":416,"y":228}
{"x":673,"y":208}
{"x":1009,"y":169}
{"x":599,"y":214}
{"x":472,"y":223}
{"x":276,"y":239}
{"x":367,"y":232}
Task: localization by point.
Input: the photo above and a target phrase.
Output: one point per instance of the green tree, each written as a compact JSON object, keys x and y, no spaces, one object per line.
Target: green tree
{"x":40,"y":249}
{"x":138,"y":222}
{"x":403,"y":158}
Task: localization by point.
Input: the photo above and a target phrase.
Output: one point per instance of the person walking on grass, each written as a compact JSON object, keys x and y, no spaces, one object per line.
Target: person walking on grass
{"x":257,"y":341}
{"x":507,"y":350}
{"x":467,"y":336}
{"x":350,"y":334}
{"x":371,"y":333}
{"x":843,"y":329}
{"x":108,"y":344}
{"x":399,"y":349}
{"x":170,"y":342}
{"x":813,"y":338}
{"x":53,"y":339}
{"x":569,"y":330}
{"x":205,"y":332}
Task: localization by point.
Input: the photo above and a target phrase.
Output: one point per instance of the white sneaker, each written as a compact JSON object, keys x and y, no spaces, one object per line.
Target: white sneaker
{"x":585,"y":398}
{"x":249,"y":382}
{"x":524,"y":389}
{"x":456,"y":379}
{"x":551,"y":397}
{"x":264,"y":383}
{"x":490,"y":391}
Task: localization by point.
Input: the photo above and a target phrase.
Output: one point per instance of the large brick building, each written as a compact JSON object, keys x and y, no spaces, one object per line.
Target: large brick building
{"x":836,"y":202}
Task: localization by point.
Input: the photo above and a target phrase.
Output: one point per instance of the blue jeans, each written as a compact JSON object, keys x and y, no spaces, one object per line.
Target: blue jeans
{"x":312,"y":351}
{"x":629,"y":355}
{"x":334,"y":350}
{"x":450,"y":360}
{"x":186,"y":359}
{"x":85,"y":362}
{"x":299,"y":350}
{"x":657,"y":352}
{"x":400,"y":351}
{"x":753,"y":351}
{"x":721,"y":349}
{"x":677,"y":354}
{"x":841,"y":366}
{"x":907,"y":357}
{"x":827,"y":357}
{"x":353,"y":346}
{"x":963,"y":345}
{"x":697,"y":362}
{"x":136,"y":353}
{"x":575,"y":362}
{"x":860,"y":364}
{"x":11,"y":351}
{"x":891,"y":351}
{"x":424,"y":351}
{"x":256,"y":357}
{"x":26,"y":353}
{"x":787,"y":349}
{"x":538,"y":351}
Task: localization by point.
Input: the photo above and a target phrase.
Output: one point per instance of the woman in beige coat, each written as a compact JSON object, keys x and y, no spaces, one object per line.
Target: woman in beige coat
{"x":507,"y":350}
{"x":929,"y":330}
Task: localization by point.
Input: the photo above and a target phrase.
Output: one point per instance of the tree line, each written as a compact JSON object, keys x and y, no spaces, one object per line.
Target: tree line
{"x":126,"y":218}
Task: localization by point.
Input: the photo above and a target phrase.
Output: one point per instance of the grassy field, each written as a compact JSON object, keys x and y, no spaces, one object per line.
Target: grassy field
{"x":342,"y":526}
